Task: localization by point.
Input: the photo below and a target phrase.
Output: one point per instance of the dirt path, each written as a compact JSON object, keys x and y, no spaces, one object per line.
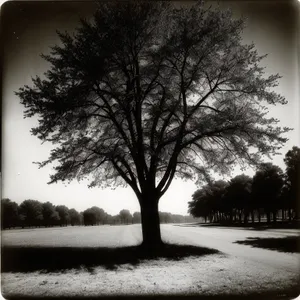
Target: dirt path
{"x":223,"y":239}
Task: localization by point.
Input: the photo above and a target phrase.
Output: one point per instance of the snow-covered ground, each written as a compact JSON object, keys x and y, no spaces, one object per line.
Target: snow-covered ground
{"x":238,"y":269}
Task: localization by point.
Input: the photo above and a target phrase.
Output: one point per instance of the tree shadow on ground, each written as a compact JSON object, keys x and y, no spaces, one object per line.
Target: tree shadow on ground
{"x":250,"y":226}
{"x":285,"y":244}
{"x":287,"y":294}
{"x":51,"y":259}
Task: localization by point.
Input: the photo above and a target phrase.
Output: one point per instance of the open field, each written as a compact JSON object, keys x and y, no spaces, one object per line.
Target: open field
{"x":104,"y":260}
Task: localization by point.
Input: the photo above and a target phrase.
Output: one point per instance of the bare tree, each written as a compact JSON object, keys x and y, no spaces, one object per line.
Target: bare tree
{"x":148,"y":91}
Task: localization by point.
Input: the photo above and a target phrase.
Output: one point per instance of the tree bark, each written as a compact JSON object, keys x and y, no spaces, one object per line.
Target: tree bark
{"x":150,"y":222}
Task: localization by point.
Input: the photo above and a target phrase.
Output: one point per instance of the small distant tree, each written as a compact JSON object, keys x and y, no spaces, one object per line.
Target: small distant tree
{"x":125,"y":216}
{"x":94,"y":216}
{"x":31,"y":212}
{"x":81,"y":218}
{"x":292,"y":180}
{"x":9,"y":213}
{"x":177,"y":218}
{"x":216,"y":194}
{"x":238,"y":197}
{"x":136,"y":218}
{"x":99,"y":213}
{"x":74,"y":217}
{"x":165,"y":217}
{"x":116,"y":219}
{"x":108,"y":219}
{"x":209,"y":201}
{"x":89,"y":217}
{"x":63,"y":213}
{"x":200,"y":206}
{"x":148,"y":91}
{"x":266,"y":188}
{"x":50,"y":215}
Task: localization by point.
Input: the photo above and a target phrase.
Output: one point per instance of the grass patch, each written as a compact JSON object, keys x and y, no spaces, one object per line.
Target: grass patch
{"x":51,"y":259}
{"x":284,"y":294}
{"x":285,"y":244}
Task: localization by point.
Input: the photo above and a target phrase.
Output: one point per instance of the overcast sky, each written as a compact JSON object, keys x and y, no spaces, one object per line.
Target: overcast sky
{"x":29,"y":30}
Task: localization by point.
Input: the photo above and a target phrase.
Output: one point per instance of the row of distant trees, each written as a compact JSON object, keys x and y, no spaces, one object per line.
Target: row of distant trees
{"x":270,"y":194}
{"x":33,"y":213}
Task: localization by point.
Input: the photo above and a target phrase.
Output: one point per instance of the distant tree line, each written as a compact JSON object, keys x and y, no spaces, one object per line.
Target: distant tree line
{"x":33,"y":213}
{"x":270,"y":195}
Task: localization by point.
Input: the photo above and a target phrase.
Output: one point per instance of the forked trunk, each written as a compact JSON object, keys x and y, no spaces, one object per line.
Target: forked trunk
{"x":150,"y":223}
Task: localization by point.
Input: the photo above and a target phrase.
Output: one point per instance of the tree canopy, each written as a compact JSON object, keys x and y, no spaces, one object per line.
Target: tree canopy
{"x":268,"y":192}
{"x":160,"y":95}
{"x":147,"y":91}
{"x":9,"y":213}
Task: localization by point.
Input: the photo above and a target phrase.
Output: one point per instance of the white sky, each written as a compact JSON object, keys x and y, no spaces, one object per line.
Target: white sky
{"x":23,"y":180}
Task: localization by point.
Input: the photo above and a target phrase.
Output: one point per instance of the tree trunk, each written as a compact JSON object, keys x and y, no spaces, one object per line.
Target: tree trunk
{"x":290,"y":214}
{"x":240,"y":217}
{"x":268,"y":217}
{"x":252,"y":216}
{"x":274,"y":216}
{"x":246,"y":213}
{"x":150,"y":223}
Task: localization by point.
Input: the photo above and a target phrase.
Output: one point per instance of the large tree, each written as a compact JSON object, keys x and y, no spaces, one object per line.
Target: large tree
{"x":147,"y":91}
